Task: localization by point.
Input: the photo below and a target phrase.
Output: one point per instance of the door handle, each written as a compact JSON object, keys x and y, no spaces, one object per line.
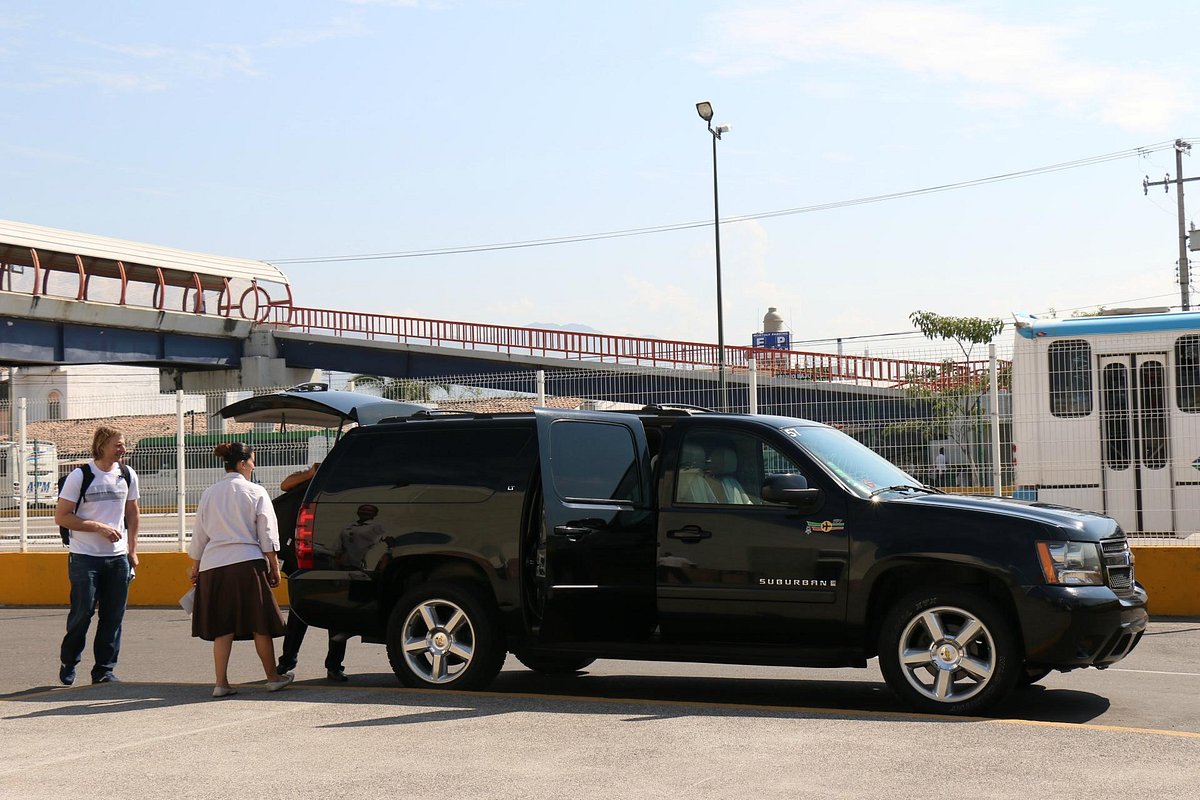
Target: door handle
{"x":572,"y":531}
{"x":689,"y":533}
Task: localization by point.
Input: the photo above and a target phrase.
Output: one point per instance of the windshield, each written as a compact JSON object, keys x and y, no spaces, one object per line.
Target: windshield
{"x":859,"y":467}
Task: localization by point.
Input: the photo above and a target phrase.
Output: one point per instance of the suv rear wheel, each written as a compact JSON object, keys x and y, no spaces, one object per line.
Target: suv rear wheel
{"x":553,"y":665}
{"x":445,"y":636}
{"x":948,"y":652}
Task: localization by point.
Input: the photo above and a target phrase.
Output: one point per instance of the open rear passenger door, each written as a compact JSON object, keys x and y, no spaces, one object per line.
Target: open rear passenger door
{"x":597,"y":535}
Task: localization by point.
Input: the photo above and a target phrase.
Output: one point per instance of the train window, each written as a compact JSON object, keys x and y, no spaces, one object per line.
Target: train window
{"x":1153,"y":385}
{"x":1187,"y":373}
{"x":1114,"y":416}
{"x":1070,"y":378}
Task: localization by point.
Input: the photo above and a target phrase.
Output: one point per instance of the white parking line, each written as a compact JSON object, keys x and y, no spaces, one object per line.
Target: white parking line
{"x":1155,"y":672}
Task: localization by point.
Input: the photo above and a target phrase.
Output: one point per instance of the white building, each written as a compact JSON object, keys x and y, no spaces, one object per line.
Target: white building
{"x":91,"y":391}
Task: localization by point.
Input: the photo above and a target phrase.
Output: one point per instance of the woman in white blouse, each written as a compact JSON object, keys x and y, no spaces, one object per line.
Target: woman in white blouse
{"x":235,"y":567}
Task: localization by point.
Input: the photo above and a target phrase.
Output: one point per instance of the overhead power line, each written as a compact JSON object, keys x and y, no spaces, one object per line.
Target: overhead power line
{"x":679,"y":226}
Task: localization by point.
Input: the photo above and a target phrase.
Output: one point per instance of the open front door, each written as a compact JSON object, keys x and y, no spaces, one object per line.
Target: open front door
{"x":596,"y":565}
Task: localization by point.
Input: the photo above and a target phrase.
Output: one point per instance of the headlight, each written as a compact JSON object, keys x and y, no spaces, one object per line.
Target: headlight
{"x":1071,"y":563}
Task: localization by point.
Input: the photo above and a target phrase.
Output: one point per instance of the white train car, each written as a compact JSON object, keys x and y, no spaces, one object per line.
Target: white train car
{"x":1106,"y":417}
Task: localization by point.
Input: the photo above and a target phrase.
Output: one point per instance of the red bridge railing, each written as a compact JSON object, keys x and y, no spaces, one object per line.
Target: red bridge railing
{"x":601,"y":348}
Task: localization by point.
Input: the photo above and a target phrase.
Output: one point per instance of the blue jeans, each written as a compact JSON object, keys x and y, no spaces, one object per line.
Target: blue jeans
{"x":97,"y":582}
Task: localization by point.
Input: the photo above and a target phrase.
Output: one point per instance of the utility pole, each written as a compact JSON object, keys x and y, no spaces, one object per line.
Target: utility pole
{"x":1181,"y":147}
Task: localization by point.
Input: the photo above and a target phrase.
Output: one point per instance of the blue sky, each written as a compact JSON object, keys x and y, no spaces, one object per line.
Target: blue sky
{"x":285,"y":130}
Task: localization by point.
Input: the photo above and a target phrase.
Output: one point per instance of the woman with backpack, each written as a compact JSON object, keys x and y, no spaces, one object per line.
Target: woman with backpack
{"x":234,"y":568}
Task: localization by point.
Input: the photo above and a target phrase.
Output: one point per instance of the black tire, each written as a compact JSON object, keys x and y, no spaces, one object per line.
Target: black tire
{"x":445,"y":636}
{"x":949,"y":652}
{"x":553,"y":665}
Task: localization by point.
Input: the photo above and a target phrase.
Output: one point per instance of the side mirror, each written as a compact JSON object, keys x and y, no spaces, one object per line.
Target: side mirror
{"x":792,"y":490}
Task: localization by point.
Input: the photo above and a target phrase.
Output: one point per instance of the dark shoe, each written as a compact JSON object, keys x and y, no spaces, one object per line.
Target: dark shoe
{"x":107,"y":677}
{"x":66,"y":674}
{"x":338,"y":675}
{"x":285,"y":665}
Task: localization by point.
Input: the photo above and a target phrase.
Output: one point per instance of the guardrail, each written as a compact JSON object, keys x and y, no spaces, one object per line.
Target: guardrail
{"x":608,"y":349}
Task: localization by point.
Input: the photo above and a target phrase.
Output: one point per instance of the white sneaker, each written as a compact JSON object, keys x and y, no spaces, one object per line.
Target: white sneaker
{"x":284,"y":680}
{"x":223,"y":691}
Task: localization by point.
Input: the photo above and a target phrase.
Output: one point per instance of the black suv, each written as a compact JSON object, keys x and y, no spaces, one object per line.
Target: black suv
{"x":664,"y":534}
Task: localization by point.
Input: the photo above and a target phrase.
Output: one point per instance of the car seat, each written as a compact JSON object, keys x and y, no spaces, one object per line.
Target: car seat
{"x":691,"y":485}
{"x":722,"y":464}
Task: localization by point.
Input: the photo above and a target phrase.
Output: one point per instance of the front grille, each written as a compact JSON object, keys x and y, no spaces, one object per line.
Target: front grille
{"x":1118,"y":564}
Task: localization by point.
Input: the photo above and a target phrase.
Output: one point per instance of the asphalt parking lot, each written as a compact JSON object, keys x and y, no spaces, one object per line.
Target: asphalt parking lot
{"x":622,"y":729}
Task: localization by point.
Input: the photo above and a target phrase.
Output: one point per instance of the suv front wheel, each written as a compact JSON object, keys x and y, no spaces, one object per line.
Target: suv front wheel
{"x":445,"y":636}
{"x":949,"y":652}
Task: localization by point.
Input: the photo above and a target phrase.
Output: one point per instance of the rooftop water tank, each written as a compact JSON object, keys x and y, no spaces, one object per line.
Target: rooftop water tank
{"x":772,"y":321}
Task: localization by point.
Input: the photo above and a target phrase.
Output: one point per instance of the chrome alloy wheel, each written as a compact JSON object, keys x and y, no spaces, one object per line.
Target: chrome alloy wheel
{"x":439,"y":641}
{"x":947,"y":654}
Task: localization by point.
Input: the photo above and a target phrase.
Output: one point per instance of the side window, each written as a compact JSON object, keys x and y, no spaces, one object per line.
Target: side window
{"x":1114,"y":416}
{"x":1187,"y":373}
{"x":435,"y":465}
{"x":595,"y":461}
{"x":1070,"y":364}
{"x":776,"y":463}
{"x":726,"y":468}
{"x":1153,"y":405}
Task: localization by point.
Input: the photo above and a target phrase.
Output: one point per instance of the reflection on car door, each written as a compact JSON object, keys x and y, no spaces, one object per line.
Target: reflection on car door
{"x":597,"y":535}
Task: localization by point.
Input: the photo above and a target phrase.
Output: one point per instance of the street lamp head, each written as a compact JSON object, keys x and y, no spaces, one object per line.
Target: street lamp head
{"x":704,"y":109}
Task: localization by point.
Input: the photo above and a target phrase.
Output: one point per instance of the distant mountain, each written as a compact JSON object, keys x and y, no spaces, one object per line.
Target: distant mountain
{"x":574,"y":326}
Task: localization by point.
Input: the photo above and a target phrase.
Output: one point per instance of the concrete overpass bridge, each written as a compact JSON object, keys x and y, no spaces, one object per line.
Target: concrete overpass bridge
{"x":213,"y":323}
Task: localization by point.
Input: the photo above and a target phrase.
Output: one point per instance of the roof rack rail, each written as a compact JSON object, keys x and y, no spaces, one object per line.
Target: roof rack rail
{"x":684,"y":409}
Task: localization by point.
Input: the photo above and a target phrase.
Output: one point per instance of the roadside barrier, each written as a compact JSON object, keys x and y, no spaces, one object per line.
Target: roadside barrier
{"x":40,"y":579}
{"x":1170,"y":575}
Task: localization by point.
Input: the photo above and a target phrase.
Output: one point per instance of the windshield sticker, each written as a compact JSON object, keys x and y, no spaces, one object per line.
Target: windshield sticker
{"x":825,"y":526}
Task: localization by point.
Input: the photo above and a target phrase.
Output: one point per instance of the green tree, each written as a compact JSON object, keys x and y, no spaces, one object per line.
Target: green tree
{"x":953,"y":391}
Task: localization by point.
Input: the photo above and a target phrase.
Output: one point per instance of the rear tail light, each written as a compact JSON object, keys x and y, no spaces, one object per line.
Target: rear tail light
{"x":304,"y":535}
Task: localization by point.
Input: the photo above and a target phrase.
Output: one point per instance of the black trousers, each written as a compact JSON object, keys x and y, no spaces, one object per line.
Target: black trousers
{"x":294,"y":637}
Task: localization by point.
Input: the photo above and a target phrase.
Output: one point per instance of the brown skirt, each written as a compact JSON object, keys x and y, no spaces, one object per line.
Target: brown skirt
{"x":236,"y":599}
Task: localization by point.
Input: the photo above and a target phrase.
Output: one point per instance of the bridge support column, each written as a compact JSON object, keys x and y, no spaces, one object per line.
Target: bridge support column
{"x":256,"y":373}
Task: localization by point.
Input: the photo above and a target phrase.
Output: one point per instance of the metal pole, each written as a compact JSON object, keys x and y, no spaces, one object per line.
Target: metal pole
{"x":994,"y":415}
{"x":180,"y":463}
{"x":753,"y":365}
{"x":22,"y":473}
{"x":1184,"y":278}
{"x":720,"y":309}
{"x":541,"y":388}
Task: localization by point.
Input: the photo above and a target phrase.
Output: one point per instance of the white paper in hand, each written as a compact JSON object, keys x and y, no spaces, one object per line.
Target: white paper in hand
{"x":188,"y":600}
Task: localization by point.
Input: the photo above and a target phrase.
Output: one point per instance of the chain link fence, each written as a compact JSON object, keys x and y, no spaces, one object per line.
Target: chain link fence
{"x":958,"y":425}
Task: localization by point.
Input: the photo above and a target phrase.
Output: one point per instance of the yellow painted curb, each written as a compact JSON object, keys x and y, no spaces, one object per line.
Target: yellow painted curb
{"x":40,"y":579}
{"x":1170,"y":575}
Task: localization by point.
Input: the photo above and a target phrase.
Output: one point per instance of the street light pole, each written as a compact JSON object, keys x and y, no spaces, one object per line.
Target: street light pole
{"x":705,"y":110}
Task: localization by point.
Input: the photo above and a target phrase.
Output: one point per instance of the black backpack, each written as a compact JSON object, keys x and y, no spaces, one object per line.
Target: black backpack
{"x":88,"y":477}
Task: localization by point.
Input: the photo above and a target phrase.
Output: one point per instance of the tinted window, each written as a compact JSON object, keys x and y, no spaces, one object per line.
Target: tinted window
{"x":1114,"y":416}
{"x":1152,"y":382}
{"x":435,"y":465}
{"x":1070,"y":378}
{"x":594,"y":461}
{"x":1187,"y":373}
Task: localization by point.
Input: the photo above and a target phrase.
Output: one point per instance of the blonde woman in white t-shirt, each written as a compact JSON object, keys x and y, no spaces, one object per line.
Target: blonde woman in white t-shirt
{"x":235,"y":567}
